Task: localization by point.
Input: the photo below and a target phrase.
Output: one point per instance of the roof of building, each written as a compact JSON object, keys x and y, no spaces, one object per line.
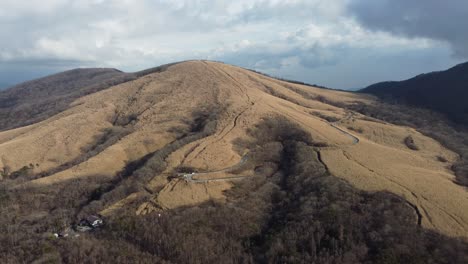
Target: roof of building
{"x":92,"y":218}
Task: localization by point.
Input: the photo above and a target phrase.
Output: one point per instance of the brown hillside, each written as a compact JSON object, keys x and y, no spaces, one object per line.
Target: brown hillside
{"x":36,"y":100}
{"x":198,"y":116}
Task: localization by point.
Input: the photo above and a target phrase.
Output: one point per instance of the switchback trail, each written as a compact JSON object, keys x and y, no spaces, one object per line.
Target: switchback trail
{"x":189,"y":177}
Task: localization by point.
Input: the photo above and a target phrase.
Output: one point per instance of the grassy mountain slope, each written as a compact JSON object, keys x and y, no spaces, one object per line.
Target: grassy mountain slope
{"x":285,"y":173}
{"x":36,"y":100}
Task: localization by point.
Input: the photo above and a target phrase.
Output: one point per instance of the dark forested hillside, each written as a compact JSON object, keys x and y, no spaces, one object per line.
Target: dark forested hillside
{"x":444,"y":91}
{"x":39,"y":99}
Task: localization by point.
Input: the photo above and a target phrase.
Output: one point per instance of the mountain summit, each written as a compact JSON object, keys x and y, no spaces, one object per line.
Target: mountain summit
{"x":226,"y":142}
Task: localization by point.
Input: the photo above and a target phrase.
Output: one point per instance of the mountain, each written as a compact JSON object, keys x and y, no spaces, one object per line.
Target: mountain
{"x":204,"y":162}
{"x":39,"y":99}
{"x":443,"y":91}
{"x":36,"y":100}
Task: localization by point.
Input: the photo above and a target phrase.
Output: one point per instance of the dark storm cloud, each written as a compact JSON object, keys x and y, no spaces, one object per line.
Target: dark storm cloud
{"x":445,"y":20}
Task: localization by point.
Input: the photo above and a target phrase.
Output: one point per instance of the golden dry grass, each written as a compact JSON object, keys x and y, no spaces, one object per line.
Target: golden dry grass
{"x":380,"y":161}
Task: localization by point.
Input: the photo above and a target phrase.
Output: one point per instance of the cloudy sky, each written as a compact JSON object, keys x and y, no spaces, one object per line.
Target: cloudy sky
{"x":337,"y":43}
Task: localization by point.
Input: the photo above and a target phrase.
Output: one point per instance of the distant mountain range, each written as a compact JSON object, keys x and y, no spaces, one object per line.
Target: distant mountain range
{"x":443,"y":91}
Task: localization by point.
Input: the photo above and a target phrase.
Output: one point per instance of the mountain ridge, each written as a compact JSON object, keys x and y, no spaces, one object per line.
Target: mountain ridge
{"x":443,"y":91}
{"x":36,"y":100}
{"x":237,"y":156}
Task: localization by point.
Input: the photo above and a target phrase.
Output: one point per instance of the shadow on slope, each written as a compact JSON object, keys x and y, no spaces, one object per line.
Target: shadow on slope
{"x":295,"y":212}
{"x":37,"y":100}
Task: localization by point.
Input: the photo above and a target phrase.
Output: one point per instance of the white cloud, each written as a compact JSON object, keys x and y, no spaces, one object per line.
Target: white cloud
{"x":11,"y":9}
{"x":265,"y":34}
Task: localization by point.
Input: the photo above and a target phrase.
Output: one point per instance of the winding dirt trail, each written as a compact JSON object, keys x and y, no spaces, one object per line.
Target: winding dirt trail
{"x":189,"y":177}
{"x":348,"y":116}
{"x":368,"y":154}
{"x":231,"y":125}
